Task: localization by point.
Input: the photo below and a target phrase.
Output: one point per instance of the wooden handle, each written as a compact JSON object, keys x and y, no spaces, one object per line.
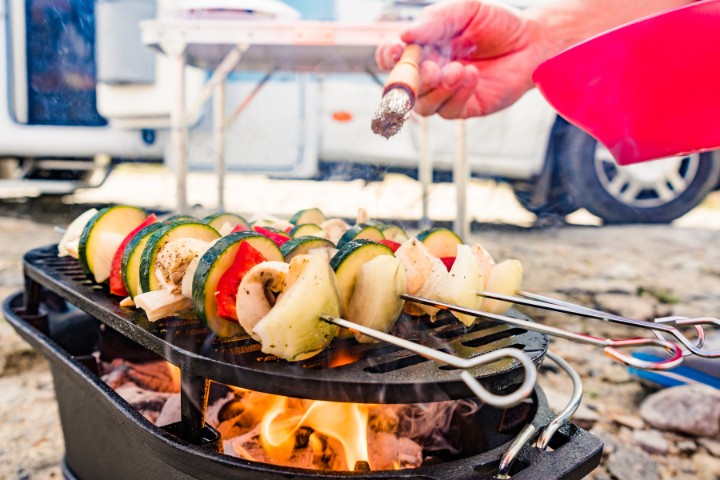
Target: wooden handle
{"x":406,"y":72}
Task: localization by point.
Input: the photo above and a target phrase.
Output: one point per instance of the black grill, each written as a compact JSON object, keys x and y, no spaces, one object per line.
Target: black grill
{"x":347,"y":371}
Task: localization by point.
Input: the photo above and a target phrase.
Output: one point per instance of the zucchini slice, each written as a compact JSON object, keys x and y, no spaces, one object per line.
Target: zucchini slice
{"x":218,"y":220}
{"x":102,"y":236}
{"x":293,"y":329}
{"x":348,"y":260}
{"x":159,"y":238}
{"x":360,"y":232}
{"x":305,"y":229}
{"x":130,"y":267}
{"x":303,"y":245}
{"x":211,"y":267}
{"x":394,"y":233}
{"x":441,"y":242}
{"x":308,"y":215}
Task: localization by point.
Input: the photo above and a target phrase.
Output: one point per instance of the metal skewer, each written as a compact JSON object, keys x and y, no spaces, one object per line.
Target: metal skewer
{"x":610,"y":346}
{"x":501,"y":401}
{"x":659,"y":326}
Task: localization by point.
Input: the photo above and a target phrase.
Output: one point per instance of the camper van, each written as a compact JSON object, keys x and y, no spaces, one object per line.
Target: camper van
{"x":81,"y":93}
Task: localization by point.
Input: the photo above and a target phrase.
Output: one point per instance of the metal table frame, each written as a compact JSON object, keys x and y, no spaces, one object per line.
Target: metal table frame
{"x":223,"y":44}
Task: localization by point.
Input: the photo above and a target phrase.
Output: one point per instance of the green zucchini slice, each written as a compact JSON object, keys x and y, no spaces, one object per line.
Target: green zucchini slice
{"x":361,"y":232}
{"x":130,"y":267}
{"x":218,"y":220}
{"x":441,"y":242}
{"x":211,"y":267}
{"x":302,"y":245}
{"x":348,"y":260}
{"x":308,"y":215}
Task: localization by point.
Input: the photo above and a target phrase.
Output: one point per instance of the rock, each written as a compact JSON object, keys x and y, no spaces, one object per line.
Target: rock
{"x":632,"y":464}
{"x":712,"y":446}
{"x":622,"y":271}
{"x":630,"y":421}
{"x":616,"y":373}
{"x":686,"y":446}
{"x":608,"y":440}
{"x":708,"y":468}
{"x":690,"y":409}
{"x":630,"y":306}
{"x":558,"y":401}
{"x":651,"y":441}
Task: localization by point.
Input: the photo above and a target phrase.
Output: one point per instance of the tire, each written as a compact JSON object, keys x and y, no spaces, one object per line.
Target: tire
{"x":654,"y":192}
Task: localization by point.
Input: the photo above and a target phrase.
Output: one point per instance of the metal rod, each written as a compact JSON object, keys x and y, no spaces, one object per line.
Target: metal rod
{"x":658,"y":327}
{"x":193,"y":405}
{"x":248,"y":99}
{"x":546,"y":434}
{"x":501,"y":401}
{"x":609,"y":345}
{"x":178,"y":131}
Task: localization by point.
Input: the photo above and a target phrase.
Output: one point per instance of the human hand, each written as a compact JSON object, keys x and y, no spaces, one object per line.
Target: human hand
{"x":478,"y":59}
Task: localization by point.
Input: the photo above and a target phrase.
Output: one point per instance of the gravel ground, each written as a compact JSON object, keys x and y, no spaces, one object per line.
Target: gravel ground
{"x":639,"y":271}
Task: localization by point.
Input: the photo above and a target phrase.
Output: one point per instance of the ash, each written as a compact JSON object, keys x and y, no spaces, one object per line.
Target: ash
{"x":392,"y":112}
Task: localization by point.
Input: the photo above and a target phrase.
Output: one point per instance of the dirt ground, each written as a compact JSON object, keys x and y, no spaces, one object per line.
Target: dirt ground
{"x":638,"y":271}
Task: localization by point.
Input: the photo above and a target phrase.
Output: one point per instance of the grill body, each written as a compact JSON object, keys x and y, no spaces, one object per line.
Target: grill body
{"x":60,"y":313}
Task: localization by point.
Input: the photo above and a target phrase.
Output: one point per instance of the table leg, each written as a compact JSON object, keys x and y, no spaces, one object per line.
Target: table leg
{"x":219,"y":140}
{"x":425,"y":171}
{"x":179,"y":131}
{"x":461,"y":176}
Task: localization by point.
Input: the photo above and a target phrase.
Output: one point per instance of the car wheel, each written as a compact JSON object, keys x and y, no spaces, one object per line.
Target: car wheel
{"x":653,"y":192}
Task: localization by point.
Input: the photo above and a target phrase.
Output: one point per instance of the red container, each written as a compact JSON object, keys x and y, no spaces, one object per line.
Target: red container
{"x":646,"y":90}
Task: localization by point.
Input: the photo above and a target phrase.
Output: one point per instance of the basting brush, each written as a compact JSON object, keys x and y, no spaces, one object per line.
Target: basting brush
{"x":399,"y":94}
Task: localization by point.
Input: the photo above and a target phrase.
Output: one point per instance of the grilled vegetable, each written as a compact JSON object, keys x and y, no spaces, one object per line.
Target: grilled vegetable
{"x":227,"y":288}
{"x":223,"y":220}
{"x":394,"y":233}
{"x":506,"y":279}
{"x":69,"y":243}
{"x":130,"y":265}
{"x":149,"y":280}
{"x":462,"y":283}
{"x":258,"y":293}
{"x":293,"y":329}
{"x":102,"y":236}
{"x":376,"y":301}
{"x":349,"y":259}
{"x":210,"y":269}
{"x":117,"y":286}
{"x":306,"y":229}
{"x":309,"y":215}
{"x":161,"y":303}
{"x":360,"y":232}
{"x":303,"y":245}
{"x":441,"y":242}
{"x":277,"y":236}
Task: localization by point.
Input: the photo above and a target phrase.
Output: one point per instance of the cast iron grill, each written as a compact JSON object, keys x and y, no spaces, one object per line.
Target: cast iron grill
{"x":373,"y":373}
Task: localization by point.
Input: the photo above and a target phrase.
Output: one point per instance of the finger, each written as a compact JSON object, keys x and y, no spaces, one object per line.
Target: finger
{"x":452,"y":78}
{"x":387,"y":55}
{"x":430,"y":76}
{"x":456,"y":105}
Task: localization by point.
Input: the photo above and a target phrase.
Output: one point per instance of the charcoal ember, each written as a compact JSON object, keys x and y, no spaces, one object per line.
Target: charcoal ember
{"x":156,"y":375}
{"x":386,"y":451}
{"x":383,"y":418}
{"x":248,"y":447}
{"x":170,"y":412}
{"x":219,"y":410}
{"x":147,"y":402}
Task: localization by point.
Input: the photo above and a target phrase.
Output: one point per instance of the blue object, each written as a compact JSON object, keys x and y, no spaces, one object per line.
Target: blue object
{"x":674,"y":377}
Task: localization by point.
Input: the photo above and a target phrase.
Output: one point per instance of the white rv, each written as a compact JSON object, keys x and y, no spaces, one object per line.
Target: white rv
{"x":80,"y":93}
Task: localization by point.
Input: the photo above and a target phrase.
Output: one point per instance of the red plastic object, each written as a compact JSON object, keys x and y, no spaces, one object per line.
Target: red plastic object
{"x":646,"y":90}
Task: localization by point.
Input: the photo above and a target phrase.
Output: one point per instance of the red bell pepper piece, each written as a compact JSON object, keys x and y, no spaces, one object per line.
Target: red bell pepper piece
{"x":277,"y":236}
{"x":226,"y":295}
{"x":390,"y":243}
{"x":239,"y":228}
{"x":117,"y":286}
{"x":448,"y":261}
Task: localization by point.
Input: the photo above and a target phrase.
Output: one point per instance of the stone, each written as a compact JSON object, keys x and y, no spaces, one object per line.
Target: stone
{"x":708,"y":468}
{"x":651,"y":441}
{"x":558,"y":401}
{"x":631,"y":464}
{"x":608,"y":440}
{"x":686,"y":446}
{"x":630,"y":421}
{"x":712,"y":446}
{"x":690,"y":409}
{"x":616,"y":373}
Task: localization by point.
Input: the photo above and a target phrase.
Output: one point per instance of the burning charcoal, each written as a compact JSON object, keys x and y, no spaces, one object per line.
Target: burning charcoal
{"x":386,"y":451}
{"x":158,"y":376}
{"x":212,"y":414}
{"x":230,"y":410}
{"x":248,"y":446}
{"x":302,"y":437}
{"x":170,"y":412}
{"x":147,"y":402}
{"x":384,"y":418}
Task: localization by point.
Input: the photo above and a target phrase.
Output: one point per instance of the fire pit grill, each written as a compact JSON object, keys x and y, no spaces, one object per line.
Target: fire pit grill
{"x":347,"y":372}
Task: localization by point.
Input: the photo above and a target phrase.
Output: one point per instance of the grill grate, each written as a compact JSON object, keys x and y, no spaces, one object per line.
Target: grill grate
{"x":347,"y":371}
